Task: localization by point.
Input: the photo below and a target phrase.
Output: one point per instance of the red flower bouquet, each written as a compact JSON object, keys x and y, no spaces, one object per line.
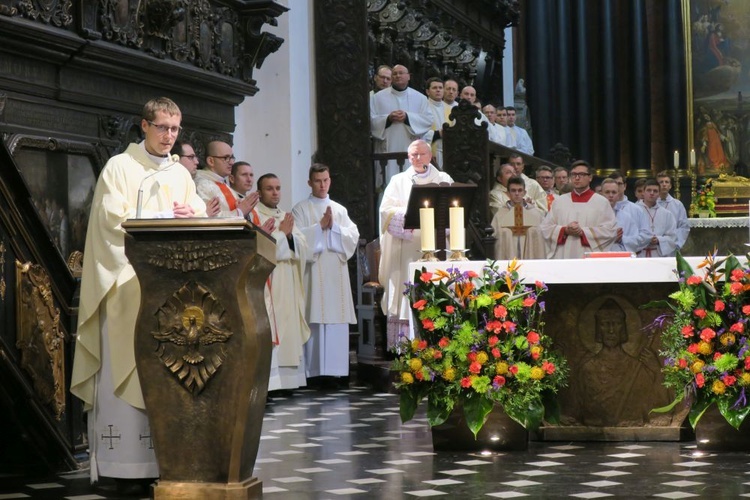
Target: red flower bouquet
{"x":480,"y":342}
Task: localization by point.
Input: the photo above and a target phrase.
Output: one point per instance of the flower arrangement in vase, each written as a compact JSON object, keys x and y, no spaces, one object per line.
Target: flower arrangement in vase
{"x":705,"y":339}
{"x":479,"y":343}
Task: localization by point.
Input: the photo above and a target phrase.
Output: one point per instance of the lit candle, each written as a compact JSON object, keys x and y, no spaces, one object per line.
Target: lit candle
{"x":692,"y":158}
{"x":676,"y":159}
{"x":427,"y":227}
{"x":458,"y":232}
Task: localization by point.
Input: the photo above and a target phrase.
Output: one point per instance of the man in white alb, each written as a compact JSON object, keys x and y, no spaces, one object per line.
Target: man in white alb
{"x":398,"y":116}
{"x":285,"y":294}
{"x":519,"y":134}
{"x":675,"y":207}
{"x":663,"y":241}
{"x":332,"y":240}
{"x":400,"y":246}
{"x":211,"y":183}
{"x":580,"y":221}
{"x":440,"y":112}
{"x":632,"y":236}
{"x":104,"y":373}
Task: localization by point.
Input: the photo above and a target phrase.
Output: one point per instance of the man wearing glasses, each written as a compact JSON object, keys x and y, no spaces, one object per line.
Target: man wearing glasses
{"x":104,"y":374}
{"x":211,"y":182}
{"x":580,"y":221}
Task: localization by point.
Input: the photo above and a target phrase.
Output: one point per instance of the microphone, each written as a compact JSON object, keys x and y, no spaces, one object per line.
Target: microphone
{"x":139,"y":201}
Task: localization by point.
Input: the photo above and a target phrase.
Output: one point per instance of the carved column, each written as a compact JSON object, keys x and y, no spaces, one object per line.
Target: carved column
{"x":343,"y":107}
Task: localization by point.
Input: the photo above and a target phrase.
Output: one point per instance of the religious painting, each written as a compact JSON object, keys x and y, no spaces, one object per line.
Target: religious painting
{"x":717,"y":40}
{"x":61,"y":185}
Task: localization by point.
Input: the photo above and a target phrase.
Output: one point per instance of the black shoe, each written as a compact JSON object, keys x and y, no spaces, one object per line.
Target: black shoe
{"x":134,"y":487}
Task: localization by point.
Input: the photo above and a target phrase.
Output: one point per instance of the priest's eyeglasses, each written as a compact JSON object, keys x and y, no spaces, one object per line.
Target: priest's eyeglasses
{"x":163,"y":129}
{"x":190,"y":157}
{"x":226,"y":158}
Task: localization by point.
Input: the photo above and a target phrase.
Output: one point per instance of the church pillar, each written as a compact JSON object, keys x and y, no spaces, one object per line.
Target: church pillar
{"x":638,"y":110}
{"x":539,"y":90}
{"x":343,"y":107}
{"x":583,"y":90}
{"x":609,"y":117}
{"x":565,"y":68}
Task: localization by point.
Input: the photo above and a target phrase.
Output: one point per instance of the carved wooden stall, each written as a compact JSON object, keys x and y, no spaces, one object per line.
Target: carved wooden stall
{"x":74,"y":75}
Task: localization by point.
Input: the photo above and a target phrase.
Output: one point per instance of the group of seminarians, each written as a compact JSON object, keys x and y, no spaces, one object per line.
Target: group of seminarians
{"x":307,"y":296}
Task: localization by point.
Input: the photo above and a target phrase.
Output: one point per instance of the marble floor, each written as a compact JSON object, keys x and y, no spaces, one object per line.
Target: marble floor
{"x":350,"y":443}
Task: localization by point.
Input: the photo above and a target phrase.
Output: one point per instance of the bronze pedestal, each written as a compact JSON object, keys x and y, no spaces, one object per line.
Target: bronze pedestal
{"x":203,"y":351}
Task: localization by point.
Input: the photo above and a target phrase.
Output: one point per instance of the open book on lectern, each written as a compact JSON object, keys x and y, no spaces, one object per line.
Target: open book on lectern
{"x":440,"y":197}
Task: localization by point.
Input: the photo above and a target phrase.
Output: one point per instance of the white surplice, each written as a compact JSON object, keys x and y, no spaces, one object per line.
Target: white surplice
{"x":391,"y":137}
{"x":329,"y":306}
{"x":594,"y":215}
{"x":677,"y":209}
{"x":662,"y":224}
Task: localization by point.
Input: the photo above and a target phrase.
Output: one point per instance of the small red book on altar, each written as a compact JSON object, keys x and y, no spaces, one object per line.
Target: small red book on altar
{"x":606,"y":255}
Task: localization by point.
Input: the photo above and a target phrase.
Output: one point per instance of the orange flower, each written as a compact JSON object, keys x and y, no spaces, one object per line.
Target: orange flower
{"x":688,"y":331}
{"x":475,"y":367}
{"x":466,"y":382}
{"x":701,"y":313}
{"x":532,"y":338}
{"x":707,"y":334}
{"x":450,"y":309}
{"x":495,"y":352}
{"x":529,"y":301}
{"x":718,"y":306}
{"x":694,"y":280}
{"x":428,"y":324}
{"x":443,"y":342}
{"x":498,"y":381}
{"x":736,"y":288}
{"x":425,"y":277}
{"x":420,"y":304}
{"x":746,"y":310}
{"x":548,"y":367}
{"x":700,"y":381}
{"x":492,"y":341}
{"x":737,"y":327}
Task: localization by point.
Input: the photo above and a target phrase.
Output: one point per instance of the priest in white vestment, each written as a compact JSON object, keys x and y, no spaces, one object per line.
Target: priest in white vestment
{"x":675,"y":207}
{"x":497,"y":133}
{"x":284,"y":293}
{"x":580,"y":221}
{"x":502,"y":120}
{"x":662,"y":224}
{"x":398,"y":116}
{"x":399,"y":246}
{"x":517,"y":234}
{"x":211,"y":183}
{"x":332,"y":239}
{"x":104,"y":373}
{"x":519,"y":135}
{"x":534,"y":192}
{"x":499,"y":197}
{"x":440,"y":115}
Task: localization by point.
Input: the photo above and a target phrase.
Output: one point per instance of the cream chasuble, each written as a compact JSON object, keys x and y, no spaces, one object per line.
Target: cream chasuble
{"x":517,"y":233}
{"x":285,"y":302}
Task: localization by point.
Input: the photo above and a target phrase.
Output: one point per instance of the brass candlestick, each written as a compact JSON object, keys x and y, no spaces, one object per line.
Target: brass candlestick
{"x":458,"y":255}
{"x":428,"y":256}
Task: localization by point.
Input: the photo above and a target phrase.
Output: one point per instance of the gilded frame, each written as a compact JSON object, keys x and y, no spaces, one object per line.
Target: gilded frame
{"x":717,"y":59}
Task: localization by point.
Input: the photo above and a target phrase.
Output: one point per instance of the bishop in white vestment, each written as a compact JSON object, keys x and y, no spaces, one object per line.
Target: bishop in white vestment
{"x":332,"y":239}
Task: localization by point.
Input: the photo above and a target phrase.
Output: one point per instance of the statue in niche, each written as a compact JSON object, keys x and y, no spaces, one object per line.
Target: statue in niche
{"x":619,"y":380}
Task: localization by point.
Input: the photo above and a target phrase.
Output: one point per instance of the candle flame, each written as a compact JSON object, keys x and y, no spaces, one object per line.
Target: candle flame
{"x":455,"y":203}
{"x":426,"y":204}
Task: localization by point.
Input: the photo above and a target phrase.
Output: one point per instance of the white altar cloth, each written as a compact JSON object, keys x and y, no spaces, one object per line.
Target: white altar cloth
{"x":601,"y":270}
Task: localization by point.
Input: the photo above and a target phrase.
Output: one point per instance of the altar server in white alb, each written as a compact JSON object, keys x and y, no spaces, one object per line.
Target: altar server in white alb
{"x":332,"y":240}
{"x":663,"y":242}
{"x":104,"y":373}
{"x":284,"y":293}
{"x":675,"y":207}
{"x":400,"y":246}
{"x":398,"y":116}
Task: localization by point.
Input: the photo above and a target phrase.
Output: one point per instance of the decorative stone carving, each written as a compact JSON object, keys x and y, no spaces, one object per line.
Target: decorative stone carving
{"x":55,"y":12}
{"x":2,"y":272}
{"x":192,"y":334}
{"x":203,"y":256}
{"x":162,"y":16}
{"x":39,"y":336}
